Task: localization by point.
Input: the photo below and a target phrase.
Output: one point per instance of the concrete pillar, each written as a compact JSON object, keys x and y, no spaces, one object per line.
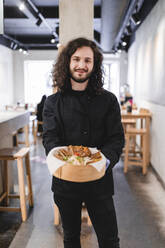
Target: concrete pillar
{"x":76,"y":19}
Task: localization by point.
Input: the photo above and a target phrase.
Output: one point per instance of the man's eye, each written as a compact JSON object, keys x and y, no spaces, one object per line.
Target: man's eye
{"x":75,"y":59}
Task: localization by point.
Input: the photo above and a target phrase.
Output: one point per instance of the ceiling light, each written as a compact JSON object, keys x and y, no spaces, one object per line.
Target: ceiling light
{"x":53,"y":40}
{"x":125,"y":40}
{"x":128,"y":30}
{"x":124,"y":43}
{"x":135,"y":19}
{"x":15,"y":46}
{"x":12,"y":45}
{"x":25,"y":52}
{"x":39,"y":21}
{"x":22,"y":6}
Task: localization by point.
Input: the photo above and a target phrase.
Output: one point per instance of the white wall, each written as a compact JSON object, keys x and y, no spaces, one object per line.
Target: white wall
{"x":18,"y":61}
{"x":146,"y":75}
{"x":122,"y":60}
{"x":6,"y":76}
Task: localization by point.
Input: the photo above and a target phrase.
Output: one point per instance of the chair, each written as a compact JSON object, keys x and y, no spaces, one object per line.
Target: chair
{"x":138,"y":157}
{"x":17,"y":154}
{"x":57,"y":216}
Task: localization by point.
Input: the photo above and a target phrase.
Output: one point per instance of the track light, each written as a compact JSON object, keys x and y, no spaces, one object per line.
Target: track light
{"x":22,"y":6}
{"x":129,"y":30}
{"x":53,"y":40}
{"x":25,"y":52}
{"x":12,"y":45}
{"x":15,"y":46}
{"x":124,"y":41}
{"x":39,"y":21}
{"x":119,"y":48}
{"x":135,"y":19}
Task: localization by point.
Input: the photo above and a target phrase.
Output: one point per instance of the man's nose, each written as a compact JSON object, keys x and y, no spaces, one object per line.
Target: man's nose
{"x":82,"y":64}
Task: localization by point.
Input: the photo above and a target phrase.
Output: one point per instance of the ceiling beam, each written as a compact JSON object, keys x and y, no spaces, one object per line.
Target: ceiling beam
{"x":13,"y":12}
{"x":46,"y":11}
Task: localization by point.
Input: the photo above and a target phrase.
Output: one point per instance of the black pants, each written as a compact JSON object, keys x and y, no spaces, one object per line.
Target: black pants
{"x":103,"y":217}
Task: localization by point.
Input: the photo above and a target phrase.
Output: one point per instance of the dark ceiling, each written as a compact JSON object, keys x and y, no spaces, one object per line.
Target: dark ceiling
{"x":38,"y":23}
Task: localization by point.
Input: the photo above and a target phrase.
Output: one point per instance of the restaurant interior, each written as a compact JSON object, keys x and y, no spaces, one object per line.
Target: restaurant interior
{"x":131,"y":36}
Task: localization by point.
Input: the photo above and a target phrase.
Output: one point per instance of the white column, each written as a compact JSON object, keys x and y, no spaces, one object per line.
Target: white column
{"x":76,"y":20}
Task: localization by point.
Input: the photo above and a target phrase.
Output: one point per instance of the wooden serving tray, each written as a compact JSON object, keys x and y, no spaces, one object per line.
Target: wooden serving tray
{"x":78,"y":173}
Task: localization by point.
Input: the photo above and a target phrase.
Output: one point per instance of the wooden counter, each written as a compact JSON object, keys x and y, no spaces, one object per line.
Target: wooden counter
{"x":11,"y":121}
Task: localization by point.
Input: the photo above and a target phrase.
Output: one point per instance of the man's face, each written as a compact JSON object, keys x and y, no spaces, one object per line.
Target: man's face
{"x":81,"y":64}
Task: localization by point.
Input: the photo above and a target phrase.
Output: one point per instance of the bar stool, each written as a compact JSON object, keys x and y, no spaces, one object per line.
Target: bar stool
{"x":57,"y":217}
{"x":126,"y":122}
{"x":17,"y":154}
{"x":25,"y":130}
{"x":139,"y":157}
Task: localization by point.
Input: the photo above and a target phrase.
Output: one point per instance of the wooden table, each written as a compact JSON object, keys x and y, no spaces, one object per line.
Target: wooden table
{"x":136,"y":114}
{"x":11,"y":121}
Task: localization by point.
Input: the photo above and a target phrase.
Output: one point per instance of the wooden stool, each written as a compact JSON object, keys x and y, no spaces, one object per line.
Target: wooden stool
{"x":25,"y":130}
{"x":138,"y":157}
{"x":18,"y":155}
{"x":128,"y":122}
{"x":33,"y":120}
{"x":57,"y":217}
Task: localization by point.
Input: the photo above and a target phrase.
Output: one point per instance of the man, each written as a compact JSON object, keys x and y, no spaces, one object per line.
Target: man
{"x":83,"y":113}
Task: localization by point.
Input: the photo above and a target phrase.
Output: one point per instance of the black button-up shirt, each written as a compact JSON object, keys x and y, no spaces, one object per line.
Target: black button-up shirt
{"x":77,"y":118}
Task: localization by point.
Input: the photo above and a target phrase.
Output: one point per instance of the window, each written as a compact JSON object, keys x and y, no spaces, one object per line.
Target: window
{"x":38,"y":80}
{"x":111,"y":77}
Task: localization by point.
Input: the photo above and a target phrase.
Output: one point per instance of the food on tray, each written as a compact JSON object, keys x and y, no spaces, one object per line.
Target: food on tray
{"x":77,"y":155}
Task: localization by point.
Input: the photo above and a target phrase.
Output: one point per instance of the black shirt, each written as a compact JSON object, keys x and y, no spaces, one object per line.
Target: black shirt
{"x":80,"y":118}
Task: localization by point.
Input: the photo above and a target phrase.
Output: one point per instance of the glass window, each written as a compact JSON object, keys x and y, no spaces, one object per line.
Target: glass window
{"x":111,"y":77}
{"x":38,"y":80}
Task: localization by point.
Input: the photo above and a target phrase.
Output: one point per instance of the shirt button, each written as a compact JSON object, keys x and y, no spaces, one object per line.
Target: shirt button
{"x":85,"y":132}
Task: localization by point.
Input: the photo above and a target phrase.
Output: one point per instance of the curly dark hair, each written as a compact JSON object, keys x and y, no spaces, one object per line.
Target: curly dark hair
{"x":61,"y":72}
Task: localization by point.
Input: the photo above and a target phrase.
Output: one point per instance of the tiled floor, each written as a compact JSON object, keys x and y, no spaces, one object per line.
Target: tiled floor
{"x":139,"y":201}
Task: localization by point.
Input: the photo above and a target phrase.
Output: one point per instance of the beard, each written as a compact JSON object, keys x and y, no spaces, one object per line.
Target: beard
{"x":79,"y":79}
